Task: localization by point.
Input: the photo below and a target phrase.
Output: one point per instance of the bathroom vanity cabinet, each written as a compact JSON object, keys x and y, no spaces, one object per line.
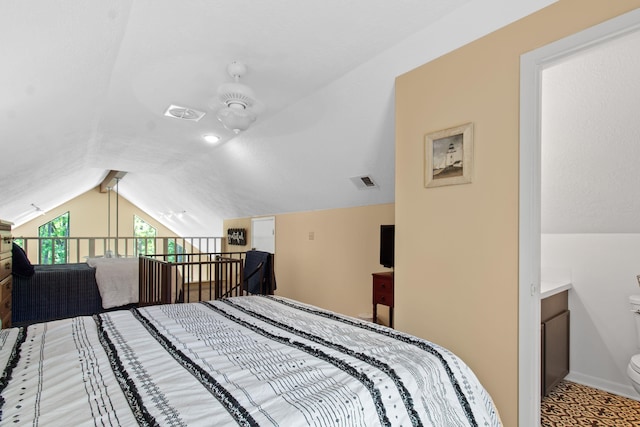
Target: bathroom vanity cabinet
{"x":554,"y":334}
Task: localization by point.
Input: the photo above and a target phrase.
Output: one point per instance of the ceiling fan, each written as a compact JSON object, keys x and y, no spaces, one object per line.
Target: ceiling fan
{"x":240,"y":107}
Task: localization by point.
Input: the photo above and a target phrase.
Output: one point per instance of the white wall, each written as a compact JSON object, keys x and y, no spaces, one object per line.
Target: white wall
{"x":603,"y":269}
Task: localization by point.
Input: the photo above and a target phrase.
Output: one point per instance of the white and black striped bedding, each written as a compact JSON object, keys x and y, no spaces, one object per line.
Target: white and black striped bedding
{"x":254,"y":360}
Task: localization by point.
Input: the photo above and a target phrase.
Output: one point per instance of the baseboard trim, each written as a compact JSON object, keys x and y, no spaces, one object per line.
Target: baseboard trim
{"x":625,"y":390}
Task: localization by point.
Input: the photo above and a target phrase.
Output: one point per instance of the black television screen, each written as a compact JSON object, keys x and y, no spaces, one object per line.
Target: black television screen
{"x":387,"y":240}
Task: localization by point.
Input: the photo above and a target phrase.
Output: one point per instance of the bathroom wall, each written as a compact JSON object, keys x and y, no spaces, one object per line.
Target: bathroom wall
{"x":603,"y":269}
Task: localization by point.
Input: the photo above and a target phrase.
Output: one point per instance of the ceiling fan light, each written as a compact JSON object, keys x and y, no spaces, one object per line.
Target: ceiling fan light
{"x":236,"y":119}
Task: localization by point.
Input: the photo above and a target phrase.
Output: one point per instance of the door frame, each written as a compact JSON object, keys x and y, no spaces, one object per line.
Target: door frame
{"x":531,"y":66}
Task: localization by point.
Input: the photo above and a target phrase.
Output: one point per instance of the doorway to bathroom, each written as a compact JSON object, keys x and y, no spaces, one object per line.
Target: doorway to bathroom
{"x":554,"y":163}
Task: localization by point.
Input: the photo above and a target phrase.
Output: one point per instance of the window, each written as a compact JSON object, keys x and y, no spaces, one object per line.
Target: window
{"x":145,"y":236}
{"x":176,"y":249}
{"x":53,"y":240}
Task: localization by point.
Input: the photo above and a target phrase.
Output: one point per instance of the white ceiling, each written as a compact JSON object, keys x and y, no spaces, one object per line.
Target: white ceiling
{"x":591,"y":140}
{"x":84,"y":85}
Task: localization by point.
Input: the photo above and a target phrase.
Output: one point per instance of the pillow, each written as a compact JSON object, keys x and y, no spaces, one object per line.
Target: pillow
{"x":21,"y":265}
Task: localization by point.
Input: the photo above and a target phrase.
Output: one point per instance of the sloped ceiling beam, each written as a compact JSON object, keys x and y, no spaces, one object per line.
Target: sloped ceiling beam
{"x":110,"y":180}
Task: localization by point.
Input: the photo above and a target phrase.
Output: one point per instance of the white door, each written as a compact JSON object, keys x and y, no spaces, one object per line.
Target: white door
{"x":263,"y":234}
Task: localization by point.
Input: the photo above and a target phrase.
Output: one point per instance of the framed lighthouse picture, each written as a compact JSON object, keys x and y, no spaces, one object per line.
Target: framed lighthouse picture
{"x":448,"y":156}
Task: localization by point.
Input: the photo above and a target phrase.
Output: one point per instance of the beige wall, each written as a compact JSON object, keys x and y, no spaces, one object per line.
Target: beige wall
{"x":332,"y":270}
{"x":457,"y":246}
{"x":88,"y":217}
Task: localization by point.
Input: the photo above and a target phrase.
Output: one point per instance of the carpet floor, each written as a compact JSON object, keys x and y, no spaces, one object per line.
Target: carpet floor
{"x":571,"y":404}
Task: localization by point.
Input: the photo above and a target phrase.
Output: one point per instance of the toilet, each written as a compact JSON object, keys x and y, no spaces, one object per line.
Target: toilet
{"x":633,"y":370}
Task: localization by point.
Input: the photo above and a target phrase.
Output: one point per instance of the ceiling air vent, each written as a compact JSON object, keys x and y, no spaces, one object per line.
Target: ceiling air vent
{"x":183,"y":113}
{"x":364,"y":182}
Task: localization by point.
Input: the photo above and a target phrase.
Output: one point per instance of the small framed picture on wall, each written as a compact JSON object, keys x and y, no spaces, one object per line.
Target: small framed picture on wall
{"x":237,"y":236}
{"x":449,"y":156}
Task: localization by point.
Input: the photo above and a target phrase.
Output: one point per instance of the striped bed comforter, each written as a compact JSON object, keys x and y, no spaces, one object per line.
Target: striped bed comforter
{"x":254,"y":360}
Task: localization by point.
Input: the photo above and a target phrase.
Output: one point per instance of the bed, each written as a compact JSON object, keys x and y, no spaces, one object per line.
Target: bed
{"x":247,"y":360}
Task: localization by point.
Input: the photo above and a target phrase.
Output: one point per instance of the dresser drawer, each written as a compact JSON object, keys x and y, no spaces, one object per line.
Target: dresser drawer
{"x":6,"y":319}
{"x":5,"y":265}
{"x":5,"y":242}
{"x":5,"y":305}
{"x":384,"y":299}
{"x":5,"y":288}
{"x":383,"y":292}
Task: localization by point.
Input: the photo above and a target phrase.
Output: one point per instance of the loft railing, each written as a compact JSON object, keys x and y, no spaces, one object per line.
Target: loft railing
{"x":193,"y":277}
{"x":73,"y":250}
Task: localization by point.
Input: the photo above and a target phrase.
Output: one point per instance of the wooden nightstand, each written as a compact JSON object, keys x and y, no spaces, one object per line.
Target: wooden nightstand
{"x":383,"y":294}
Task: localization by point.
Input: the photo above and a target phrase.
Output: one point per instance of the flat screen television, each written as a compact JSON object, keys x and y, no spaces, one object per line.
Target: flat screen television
{"x":387,"y":240}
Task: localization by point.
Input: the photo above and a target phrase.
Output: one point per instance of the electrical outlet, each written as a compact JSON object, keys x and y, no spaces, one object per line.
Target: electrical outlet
{"x":313,"y":236}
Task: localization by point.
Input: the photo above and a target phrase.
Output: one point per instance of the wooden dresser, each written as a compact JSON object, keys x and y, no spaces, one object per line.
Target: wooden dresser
{"x":383,"y":294}
{"x":5,"y":273}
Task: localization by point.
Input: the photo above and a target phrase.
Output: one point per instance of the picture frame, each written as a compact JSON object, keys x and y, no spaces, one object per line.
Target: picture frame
{"x":449,"y":156}
{"x":237,"y":236}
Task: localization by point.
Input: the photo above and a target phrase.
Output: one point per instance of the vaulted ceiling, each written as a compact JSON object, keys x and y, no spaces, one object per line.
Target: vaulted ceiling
{"x":84,"y":86}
